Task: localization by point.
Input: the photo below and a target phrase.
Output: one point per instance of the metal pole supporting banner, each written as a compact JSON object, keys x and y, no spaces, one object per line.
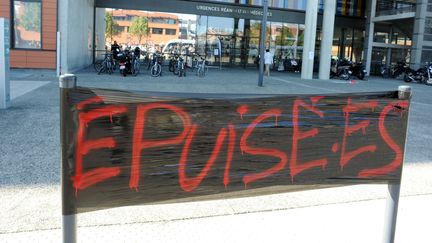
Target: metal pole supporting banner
{"x":69,"y":223}
{"x":58,"y":62}
{"x":262,"y":43}
{"x":394,"y":188}
{"x":391,"y":212}
{"x":369,"y":34}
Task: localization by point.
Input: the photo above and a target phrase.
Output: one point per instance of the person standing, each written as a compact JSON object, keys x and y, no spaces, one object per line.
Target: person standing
{"x":115,"y":49}
{"x":268,"y":60}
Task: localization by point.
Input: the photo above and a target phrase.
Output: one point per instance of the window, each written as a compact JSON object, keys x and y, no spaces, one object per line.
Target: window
{"x":170,"y":31}
{"x":119,"y":18}
{"x":157,"y":31}
{"x":382,"y":37}
{"x":171,"y":21}
{"x":27,"y":21}
{"x":161,"y":20}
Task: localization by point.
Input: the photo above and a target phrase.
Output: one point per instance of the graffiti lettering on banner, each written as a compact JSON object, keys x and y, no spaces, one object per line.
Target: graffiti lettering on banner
{"x":128,"y":149}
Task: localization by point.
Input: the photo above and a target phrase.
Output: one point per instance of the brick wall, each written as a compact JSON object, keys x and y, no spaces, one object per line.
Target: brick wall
{"x":45,"y":57}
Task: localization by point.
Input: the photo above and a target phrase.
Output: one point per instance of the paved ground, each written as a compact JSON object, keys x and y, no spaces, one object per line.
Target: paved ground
{"x":29,"y":175}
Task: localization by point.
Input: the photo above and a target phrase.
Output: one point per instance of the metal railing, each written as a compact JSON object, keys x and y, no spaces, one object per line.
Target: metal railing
{"x":395,"y":11}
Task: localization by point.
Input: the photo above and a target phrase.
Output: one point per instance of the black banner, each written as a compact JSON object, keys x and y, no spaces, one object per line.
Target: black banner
{"x":127,"y":148}
{"x":206,"y":8}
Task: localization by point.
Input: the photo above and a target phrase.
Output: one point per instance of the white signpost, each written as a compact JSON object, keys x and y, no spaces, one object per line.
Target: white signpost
{"x":4,"y":64}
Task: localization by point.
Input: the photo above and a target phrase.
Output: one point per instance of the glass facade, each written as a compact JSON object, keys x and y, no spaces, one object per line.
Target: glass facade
{"x":237,"y":40}
{"x":27,"y":21}
{"x":348,"y":43}
{"x":388,"y":56}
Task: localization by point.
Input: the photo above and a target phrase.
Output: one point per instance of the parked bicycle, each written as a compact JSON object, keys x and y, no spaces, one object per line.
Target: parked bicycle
{"x":107,"y":64}
{"x":180,"y":70}
{"x":172,"y":65}
{"x":156,"y":65}
{"x":202,"y":68}
{"x":135,"y":64}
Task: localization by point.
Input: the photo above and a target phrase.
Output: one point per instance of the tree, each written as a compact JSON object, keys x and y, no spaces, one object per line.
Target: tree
{"x":31,"y":17}
{"x":139,"y":28}
{"x":286,"y":37}
{"x":111,"y":26}
{"x":256,"y":32}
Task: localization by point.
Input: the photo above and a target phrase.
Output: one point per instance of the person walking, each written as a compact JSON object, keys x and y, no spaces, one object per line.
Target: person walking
{"x":268,"y":60}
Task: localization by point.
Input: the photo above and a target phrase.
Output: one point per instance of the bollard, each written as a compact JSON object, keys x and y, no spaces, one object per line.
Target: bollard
{"x":404,"y":93}
{"x":69,"y":224}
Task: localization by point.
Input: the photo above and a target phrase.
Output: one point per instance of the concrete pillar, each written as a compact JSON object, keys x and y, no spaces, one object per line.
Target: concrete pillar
{"x":389,"y":50}
{"x":100,"y":29}
{"x":75,"y":21}
{"x":327,"y":38}
{"x":417,"y":40}
{"x":309,"y":39}
{"x":370,"y":26}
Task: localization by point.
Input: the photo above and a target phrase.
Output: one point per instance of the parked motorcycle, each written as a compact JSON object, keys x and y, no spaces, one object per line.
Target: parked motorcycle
{"x":341,"y":69}
{"x":420,"y":75}
{"x":125,"y":64}
{"x":401,"y":68}
{"x":292,"y":65}
{"x":358,"y":70}
{"x":395,"y":71}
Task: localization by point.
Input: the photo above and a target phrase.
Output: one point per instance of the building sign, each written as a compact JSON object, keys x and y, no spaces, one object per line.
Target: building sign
{"x":125,"y":148}
{"x":232,"y":10}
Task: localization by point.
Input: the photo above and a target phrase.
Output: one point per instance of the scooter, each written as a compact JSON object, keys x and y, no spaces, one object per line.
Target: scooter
{"x":292,"y":65}
{"x":358,"y":70}
{"x":124,"y":63}
{"x":401,"y":68}
{"x":340,"y":69}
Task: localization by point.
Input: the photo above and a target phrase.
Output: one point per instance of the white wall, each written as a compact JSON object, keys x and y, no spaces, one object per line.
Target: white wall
{"x":76,"y":28}
{"x":4,"y":64}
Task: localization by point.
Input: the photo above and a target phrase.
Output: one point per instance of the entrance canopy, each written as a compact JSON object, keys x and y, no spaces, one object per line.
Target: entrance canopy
{"x":228,"y":10}
{"x":206,"y":8}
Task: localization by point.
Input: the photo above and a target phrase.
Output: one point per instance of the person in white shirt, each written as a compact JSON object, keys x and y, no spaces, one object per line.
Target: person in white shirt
{"x":268,"y":60}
